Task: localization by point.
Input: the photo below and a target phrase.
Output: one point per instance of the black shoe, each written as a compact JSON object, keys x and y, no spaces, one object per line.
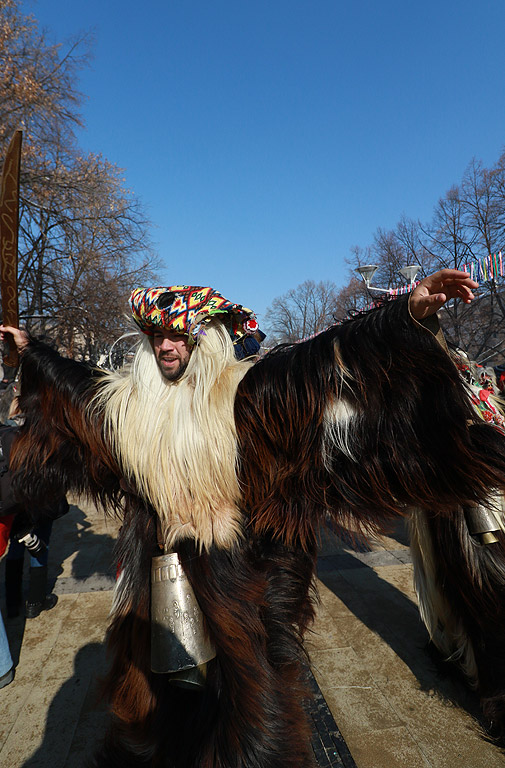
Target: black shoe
{"x":33,"y":610}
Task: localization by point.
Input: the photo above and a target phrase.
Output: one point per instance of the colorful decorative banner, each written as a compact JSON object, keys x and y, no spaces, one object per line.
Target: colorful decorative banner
{"x":401,"y":290}
{"x":487,"y":268}
{"x":482,"y":270}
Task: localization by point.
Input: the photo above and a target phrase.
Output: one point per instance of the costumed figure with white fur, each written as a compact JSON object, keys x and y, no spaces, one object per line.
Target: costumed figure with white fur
{"x":223,"y":470}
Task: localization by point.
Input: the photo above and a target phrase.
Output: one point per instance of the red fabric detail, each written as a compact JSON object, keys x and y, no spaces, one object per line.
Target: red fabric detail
{"x":5,"y":529}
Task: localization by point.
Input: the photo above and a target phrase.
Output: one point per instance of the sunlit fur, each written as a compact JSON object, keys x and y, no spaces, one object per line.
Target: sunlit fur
{"x":256,"y":597}
{"x":362,"y":420}
{"x":176,"y":441}
{"x":358,"y":423}
{"x":60,"y":447}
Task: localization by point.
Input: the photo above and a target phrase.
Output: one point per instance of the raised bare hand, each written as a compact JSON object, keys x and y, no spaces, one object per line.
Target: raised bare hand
{"x":436,"y":289}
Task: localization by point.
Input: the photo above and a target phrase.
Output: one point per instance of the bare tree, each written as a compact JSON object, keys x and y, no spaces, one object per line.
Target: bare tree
{"x":351,"y":299}
{"x":468,"y":222}
{"x":390,"y":252}
{"x":83,"y":236}
{"x":301,"y":312}
{"x":37,"y":80}
{"x":480,"y":205}
{"x":83,"y":250}
{"x":463,"y":229}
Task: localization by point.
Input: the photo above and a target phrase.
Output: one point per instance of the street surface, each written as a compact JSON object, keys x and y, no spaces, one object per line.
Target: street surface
{"x":387,"y":704}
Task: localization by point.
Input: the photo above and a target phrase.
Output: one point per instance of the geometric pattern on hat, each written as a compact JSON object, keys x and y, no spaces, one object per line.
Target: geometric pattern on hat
{"x":184,"y":308}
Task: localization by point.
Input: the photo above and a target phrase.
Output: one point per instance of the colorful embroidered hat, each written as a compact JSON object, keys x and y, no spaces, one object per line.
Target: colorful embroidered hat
{"x":184,"y":308}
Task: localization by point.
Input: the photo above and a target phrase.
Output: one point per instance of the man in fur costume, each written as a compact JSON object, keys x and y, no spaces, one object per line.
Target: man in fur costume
{"x":234,"y":465}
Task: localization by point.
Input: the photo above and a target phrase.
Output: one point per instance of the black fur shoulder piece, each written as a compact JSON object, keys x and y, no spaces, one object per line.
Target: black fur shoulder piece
{"x":60,"y":446}
{"x":362,"y":420}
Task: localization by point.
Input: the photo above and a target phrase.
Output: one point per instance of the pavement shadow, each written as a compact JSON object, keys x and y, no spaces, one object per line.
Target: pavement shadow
{"x":76,"y":719}
{"x":400,"y":531}
{"x":74,"y":537}
{"x":390,"y":614}
{"x":92,"y":564}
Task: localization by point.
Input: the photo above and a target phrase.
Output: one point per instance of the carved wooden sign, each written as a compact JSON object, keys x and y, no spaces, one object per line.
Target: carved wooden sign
{"x":9,"y":220}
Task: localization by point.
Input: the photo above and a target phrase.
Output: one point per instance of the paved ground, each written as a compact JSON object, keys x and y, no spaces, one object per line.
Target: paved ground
{"x":391,"y":703}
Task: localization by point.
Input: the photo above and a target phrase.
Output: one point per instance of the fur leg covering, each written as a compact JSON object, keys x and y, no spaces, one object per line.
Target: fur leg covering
{"x":257,"y":603}
{"x":461,"y":588}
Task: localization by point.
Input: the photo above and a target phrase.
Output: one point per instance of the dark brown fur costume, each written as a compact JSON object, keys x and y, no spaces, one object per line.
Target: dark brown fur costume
{"x":413,"y":440}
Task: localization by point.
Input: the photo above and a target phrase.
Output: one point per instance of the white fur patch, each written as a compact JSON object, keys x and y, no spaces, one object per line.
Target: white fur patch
{"x":176,"y":441}
{"x":338,"y":416}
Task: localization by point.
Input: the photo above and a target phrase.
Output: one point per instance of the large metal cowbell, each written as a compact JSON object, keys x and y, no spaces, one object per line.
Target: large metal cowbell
{"x":180,"y":644}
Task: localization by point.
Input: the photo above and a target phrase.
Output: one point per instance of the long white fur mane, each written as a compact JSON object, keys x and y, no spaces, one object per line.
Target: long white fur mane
{"x":176,"y":441}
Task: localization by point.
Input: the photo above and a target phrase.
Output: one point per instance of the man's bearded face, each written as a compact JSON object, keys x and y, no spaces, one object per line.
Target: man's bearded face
{"x":172,"y":353}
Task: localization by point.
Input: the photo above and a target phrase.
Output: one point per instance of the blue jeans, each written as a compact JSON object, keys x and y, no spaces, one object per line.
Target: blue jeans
{"x":5,"y":654}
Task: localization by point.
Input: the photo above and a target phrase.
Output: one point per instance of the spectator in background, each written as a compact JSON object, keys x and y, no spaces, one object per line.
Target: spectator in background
{"x":8,"y":510}
{"x":36,"y":539}
{"x":6,"y":664}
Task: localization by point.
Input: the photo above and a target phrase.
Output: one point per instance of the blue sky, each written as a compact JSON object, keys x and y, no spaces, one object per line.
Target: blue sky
{"x":266,"y":138}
